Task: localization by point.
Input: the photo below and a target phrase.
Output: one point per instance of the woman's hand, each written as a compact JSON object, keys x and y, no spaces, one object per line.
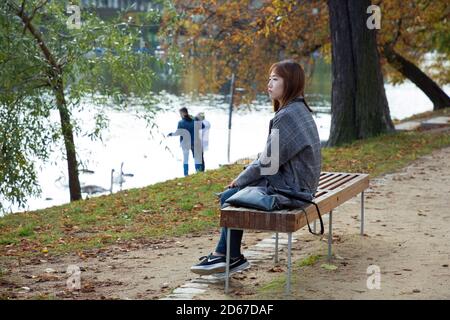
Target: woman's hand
{"x":232,"y":184}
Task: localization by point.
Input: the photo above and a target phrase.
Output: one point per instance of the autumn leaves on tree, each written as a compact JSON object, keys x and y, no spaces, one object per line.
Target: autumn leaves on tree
{"x":219,"y":38}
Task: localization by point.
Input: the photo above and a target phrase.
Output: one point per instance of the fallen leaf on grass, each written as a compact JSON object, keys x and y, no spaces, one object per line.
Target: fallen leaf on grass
{"x":238,"y":276}
{"x":242,"y":293}
{"x":359,"y":291}
{"x":276,"y":269}
{"x":88,"y":287}
{"x":47,"y":277}
{"x":198,"y":206}
{"x":81,"y":255}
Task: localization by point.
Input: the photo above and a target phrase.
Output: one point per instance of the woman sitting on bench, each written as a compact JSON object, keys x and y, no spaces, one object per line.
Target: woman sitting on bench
{"x":298,"y":162}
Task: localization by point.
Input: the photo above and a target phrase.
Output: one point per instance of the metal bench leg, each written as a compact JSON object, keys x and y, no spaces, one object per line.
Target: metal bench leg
{"x":288,"y":280}
{"x":276,"y":248}
{"x":362,"y":213}
{"x":227,"y":268}
{"x":330,"y":235}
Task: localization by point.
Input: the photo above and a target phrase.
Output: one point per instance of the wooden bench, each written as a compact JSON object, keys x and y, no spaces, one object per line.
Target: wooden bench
{"x":334,"y":189}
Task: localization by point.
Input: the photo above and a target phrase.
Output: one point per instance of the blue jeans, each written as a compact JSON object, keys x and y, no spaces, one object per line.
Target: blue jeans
{"x":235,"y":236}
{"x":198,"y":160}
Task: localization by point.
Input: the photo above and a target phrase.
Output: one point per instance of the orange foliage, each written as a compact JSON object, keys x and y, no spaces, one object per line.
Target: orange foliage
{"x":246,"y":37}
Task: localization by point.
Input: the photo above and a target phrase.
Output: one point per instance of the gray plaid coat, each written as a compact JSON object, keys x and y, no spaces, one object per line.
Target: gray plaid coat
{"x":299,"y":156}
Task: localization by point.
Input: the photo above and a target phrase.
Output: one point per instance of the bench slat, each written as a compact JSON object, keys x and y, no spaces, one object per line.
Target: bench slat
{"x":332,"y":200}
{"x":328,"y":179}
{"x":338,"y":179}
{"x":342,"y":181}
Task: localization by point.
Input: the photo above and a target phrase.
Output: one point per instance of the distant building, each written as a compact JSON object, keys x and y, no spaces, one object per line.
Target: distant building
{"x":149,"y":42}
{"x":107,"y":9}
{"x":114,"y":5}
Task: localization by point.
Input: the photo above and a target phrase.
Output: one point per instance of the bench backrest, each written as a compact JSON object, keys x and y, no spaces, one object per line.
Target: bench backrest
{"x":334,"y":189}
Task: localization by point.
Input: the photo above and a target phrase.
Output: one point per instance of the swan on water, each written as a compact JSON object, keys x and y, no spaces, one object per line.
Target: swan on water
{"x":119,"y":178}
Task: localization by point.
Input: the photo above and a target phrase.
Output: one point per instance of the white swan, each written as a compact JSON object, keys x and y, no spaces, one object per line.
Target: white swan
{"x":92,"y":189}
{"x":62,"y":181}
{"x":119,"y":178}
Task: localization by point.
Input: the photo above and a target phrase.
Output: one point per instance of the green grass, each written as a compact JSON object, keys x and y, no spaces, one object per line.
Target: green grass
{"x":2,"y":272}
{"x":44,"y":297}
{"x":184,"y":205}
{"x":382,"y":154}
{"x":276,"y":285}
{"x":275,"y":289}
{"x":8,"y":240}
{"x":26,"y":231}
{"x":424,"y":115}
{"x":208,"y":212}
{"x":309,"y":261}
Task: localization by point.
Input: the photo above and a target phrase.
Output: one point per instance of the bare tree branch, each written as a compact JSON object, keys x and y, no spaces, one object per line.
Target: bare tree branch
{"x":39,"y":6}
{"x":55,"y":68}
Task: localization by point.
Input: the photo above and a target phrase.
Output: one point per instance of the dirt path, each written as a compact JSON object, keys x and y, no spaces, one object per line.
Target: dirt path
{"x":408,"y":239}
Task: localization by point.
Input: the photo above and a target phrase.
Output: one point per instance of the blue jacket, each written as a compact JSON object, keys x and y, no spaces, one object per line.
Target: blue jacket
{"x":193,"y":127}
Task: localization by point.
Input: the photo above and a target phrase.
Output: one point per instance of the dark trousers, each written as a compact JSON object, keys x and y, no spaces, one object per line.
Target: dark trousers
{"x":235,"y":236}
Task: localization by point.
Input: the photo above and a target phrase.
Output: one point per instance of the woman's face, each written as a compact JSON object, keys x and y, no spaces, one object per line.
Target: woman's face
{"x":275,"y":86}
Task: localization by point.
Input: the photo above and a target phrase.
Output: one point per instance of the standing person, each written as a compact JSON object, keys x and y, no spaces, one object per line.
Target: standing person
{"x":204,"y":134}
{"x":190,"y":140}
{"x":299,"y":159}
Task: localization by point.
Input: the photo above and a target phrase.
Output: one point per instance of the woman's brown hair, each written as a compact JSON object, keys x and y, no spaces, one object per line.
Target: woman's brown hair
{"x":294,"y":82}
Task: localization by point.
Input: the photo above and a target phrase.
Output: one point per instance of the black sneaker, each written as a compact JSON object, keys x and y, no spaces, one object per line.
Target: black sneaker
{"x":210,"y":264}
{"x":236,"y":264}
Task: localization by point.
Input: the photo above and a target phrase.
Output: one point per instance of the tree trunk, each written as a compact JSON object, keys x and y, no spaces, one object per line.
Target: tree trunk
{"x":359,"y":106}
{"x":55,"y":81}
{"x":437,"y":96}
{"x":67,"y":131}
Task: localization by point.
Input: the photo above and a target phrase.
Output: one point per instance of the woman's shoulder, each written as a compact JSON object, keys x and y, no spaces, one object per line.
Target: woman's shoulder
{"x":292,"y":109}
{"x":292,"y":115}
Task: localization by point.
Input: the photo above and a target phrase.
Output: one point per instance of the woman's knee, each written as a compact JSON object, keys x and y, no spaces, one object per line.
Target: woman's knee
{"x":227,"y":194}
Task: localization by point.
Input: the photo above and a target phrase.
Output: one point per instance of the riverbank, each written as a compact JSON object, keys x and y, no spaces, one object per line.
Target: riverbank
{"x":166,"y":218}
{"x":152,"y":158}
